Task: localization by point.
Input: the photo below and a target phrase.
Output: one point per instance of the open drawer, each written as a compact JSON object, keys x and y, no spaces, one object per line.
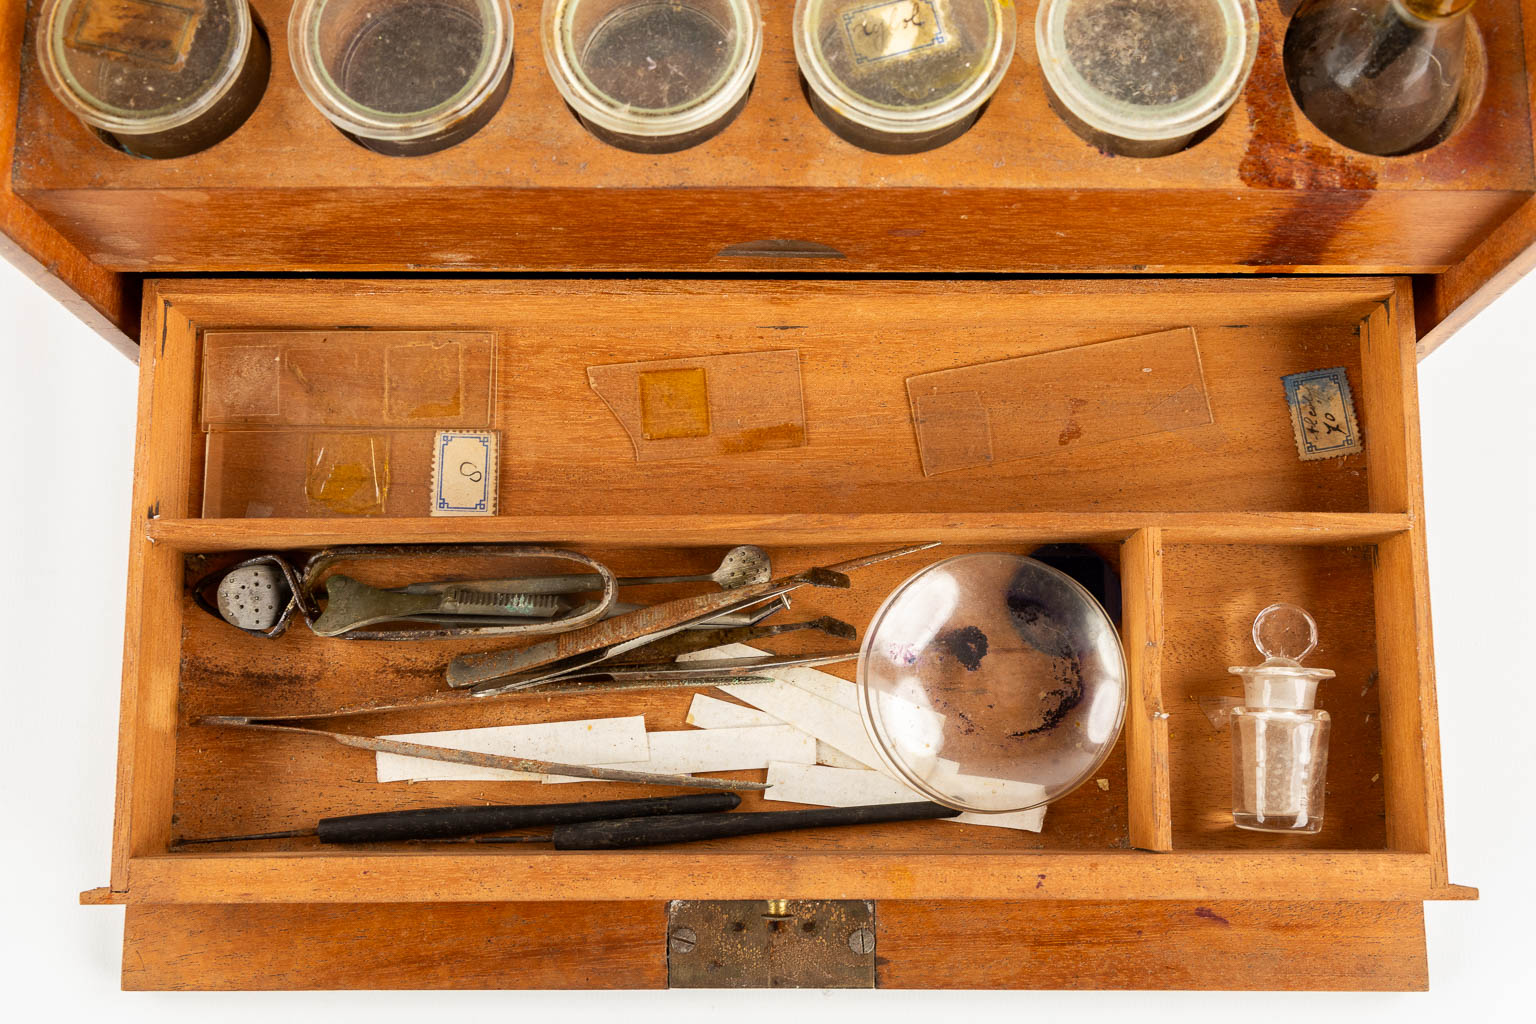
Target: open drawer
{"x":1140,"y":871}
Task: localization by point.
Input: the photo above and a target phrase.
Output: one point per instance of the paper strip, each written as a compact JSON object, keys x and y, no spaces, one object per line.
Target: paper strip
{"x":718,"y":750}
{"x":796,"y":697}
{"x":843,"y":787}
{"x":829,"y":755}
{"x":713,"y":713}
{"x":590,"y":741}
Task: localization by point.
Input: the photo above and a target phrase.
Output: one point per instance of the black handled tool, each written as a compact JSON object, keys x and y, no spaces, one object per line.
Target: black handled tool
{"x":453,"y":822}
{"x":689,"y":828}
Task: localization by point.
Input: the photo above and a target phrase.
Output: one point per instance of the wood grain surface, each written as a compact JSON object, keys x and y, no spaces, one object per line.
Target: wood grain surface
{"x":564,"y":452}
{"x":105,"y":301}
{"x":1018,"y":192}
{"x":920,"y":944}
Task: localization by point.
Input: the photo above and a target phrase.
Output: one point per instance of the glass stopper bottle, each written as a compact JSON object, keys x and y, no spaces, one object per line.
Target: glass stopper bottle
{"x":1279,"y":739}
{"x":1379,"y":76}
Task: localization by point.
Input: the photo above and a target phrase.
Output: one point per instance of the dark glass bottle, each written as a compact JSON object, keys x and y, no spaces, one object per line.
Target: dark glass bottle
{"x":1378,"y":76}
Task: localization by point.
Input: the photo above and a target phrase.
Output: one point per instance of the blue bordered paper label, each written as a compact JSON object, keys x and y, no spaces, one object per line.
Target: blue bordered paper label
{"x":464,"y":473}
{"x":1322,"y":414}
{"x":892,"y":28}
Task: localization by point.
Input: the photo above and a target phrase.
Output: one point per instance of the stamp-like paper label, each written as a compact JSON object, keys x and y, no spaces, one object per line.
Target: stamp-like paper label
{"x":464,"y":473}
{"x":892,"y":28}
{"x":1322,"y":414}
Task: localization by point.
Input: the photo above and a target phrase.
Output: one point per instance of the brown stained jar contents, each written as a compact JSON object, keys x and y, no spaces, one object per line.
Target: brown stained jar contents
{"x":1146,"y":52}
{"x":924,"y":76}
{"x":1384,"y":77}
{"x":122,"y":63}
{"x":411,"y":58}
{"x":657,"y":56}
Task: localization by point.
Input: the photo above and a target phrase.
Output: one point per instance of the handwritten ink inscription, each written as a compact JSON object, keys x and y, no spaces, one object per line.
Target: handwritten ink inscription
{"x":1322,"y":414}
{"x":892,"y":29}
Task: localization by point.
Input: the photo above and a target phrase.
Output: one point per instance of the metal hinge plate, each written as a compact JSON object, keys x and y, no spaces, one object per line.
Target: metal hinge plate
{"x":770,"y":944}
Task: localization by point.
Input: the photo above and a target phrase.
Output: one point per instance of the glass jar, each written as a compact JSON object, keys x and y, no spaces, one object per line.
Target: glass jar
{"x":1145,"y":78}
{"x":902,"y":76}
{"x":1380,"y":76}
{"x":156,"y":78}
{"x":403,"y":77}
{"x":1279,"y":738}
{"x":653,"y":76}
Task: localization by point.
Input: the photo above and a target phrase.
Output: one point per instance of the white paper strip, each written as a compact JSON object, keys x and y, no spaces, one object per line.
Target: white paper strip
{"x":827,"y":754}
{"x":719,"y":750}
{"x":713,"y":713}
{"x":590,"y":741}
{"x":843,"y":787}
{"x":809,"y":713}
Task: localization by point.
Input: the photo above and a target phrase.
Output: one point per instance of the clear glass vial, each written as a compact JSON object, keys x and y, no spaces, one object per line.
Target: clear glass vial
{"x":403,"y":77}
{"x":902,"y":76}
{"x":1279,"y":738}
{"x":157,"y":78}
{"x":1379,"y":76}
{"x":654,"y":76}
{"x":1145,"y":77}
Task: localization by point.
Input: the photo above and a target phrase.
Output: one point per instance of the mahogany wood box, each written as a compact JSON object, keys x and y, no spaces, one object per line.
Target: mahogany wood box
{"x":776,"y":235}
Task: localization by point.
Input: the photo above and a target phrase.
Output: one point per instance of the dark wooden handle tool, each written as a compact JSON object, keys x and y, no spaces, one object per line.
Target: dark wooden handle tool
{"x":457,"y":822}
{"x":690,"y":828}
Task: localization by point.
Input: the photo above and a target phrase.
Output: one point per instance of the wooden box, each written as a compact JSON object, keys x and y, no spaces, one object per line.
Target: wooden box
{"x":1140,"y":884}
{"x":1141,"y":877}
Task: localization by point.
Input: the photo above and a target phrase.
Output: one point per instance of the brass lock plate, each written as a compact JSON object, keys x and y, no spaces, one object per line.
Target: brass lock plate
{"x":771,"y":944}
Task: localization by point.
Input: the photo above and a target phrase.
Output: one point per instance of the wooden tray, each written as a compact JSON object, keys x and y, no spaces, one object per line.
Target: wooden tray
{"x":778,"y":190}
{"x":1147,"y":879}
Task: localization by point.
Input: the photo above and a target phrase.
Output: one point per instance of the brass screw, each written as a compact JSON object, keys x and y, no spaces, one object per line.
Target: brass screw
{"x":683,"y":940}
{"x":861,"y":940}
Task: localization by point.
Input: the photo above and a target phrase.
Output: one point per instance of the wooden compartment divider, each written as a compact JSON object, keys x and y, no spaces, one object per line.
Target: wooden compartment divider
{"x":1146,"y":723}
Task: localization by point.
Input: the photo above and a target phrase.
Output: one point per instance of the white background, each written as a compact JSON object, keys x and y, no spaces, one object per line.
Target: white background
{"x":68,"y":400}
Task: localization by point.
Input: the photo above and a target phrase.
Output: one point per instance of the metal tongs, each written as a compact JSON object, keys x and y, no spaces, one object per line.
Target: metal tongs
{"x":263,"y":595}
{"x":581,"y":653}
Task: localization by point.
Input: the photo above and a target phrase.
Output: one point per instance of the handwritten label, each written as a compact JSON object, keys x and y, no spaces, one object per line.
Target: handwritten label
{"x":892,"y":28}
{"x":464,"y":465}
{"x":156,"y":32}
{"x":1322,"y":414}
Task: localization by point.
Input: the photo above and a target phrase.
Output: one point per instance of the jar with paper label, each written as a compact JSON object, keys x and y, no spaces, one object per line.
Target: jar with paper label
{"x":902,"y":76}
{"x":1279,"y":736}
{"x":160,"y":79}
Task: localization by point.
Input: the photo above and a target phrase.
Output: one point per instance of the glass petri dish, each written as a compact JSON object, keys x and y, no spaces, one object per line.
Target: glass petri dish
{"x":157,"y":78}
{"x":992,"y":682}
{"x":403,"y":77}
{"x":654,"y":76}
{"x":902,"y":76}
{"x":1145,"y":77}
